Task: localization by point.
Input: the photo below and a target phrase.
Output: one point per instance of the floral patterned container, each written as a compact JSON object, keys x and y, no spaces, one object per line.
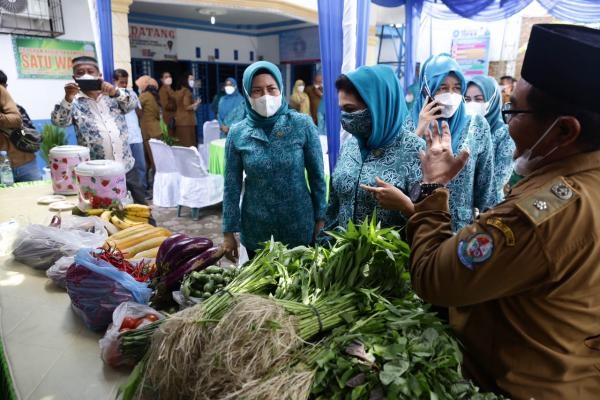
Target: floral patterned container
{"x":101,"y":183}
{"x":63,"y":160}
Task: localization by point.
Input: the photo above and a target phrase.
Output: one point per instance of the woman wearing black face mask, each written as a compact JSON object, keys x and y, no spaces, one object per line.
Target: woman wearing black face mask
{"x":374,"y":112}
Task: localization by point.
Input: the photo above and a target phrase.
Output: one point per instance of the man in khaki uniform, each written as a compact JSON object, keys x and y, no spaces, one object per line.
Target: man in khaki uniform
{"x":523,"y":280}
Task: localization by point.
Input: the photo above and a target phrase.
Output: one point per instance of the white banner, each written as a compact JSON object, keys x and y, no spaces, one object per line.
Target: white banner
{"x":153,"y":42}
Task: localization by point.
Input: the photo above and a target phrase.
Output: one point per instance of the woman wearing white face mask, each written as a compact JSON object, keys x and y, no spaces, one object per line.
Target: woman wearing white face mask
{"x":231,"y":107}
{"x":483,"y":97}
{"x":474,"y":187}
{"x":273,"y":146}
{"x":185,"y":116}
{"x":299,"y":100}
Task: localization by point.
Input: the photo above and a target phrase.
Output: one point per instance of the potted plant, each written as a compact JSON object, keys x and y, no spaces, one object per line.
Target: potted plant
{"x":52,"y":136}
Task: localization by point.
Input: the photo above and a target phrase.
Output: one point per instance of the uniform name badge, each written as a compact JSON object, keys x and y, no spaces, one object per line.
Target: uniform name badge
{"x":474,"y":251}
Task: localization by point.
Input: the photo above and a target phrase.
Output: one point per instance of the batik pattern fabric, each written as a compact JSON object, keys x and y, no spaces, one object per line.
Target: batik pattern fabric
{"x":397,"y":163}
{"x":475,"y":185}
{"x":277,"y":201}
{"x":99,"y":125}
{"x":504,"y":149}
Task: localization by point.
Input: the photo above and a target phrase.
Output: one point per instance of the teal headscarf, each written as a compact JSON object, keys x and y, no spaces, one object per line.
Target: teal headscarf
{"x":491,"y":93}
{"x":255,"y":118}
{"x":435,"y":70}
{"x":382,"y":93}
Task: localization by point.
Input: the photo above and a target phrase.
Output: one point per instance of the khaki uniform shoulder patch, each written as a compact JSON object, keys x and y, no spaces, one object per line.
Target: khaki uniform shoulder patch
{"x":547,"y":201}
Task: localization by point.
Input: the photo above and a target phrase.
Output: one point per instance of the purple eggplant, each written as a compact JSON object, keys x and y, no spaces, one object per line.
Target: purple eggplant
{"x":168,"y":244}
{"x":198,"y":263}
{"x":181,"y":254}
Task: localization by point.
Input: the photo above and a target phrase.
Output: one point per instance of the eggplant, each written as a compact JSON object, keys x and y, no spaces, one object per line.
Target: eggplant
{"x":196,"y":263}
{"x":167,"y":245}
{"x":190,"y":249}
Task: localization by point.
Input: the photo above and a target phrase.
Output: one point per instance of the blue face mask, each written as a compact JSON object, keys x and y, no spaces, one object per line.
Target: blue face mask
{"x":357,"y":123}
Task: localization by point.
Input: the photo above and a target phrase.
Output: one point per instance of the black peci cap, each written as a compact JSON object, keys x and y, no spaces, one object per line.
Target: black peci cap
{"x":84,"y":60}
{"x":563,"y":61}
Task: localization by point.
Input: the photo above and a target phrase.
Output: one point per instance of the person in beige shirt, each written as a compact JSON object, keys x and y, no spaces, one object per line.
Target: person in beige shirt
{"x":522,"y":282}
{"x":150,"y":116}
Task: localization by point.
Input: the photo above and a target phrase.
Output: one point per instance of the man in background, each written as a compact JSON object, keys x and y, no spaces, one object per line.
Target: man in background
{"x":98,"y":115}
{"x":14,"y":116}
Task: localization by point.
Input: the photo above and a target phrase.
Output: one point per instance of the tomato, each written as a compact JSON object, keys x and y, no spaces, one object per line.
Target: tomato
{"x":129,"y":323}
{"x":151,"y":317}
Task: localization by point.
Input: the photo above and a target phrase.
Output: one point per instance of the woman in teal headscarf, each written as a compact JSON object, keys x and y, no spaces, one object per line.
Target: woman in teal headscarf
{"x":231,"y":106}
{"x":381,"y":146}
{"x":273,"y":145}
{"x":474,"y":187}
{"x":483,"y":98}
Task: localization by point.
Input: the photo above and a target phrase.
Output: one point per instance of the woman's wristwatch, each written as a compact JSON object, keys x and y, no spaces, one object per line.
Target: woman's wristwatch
{"x":421,"y":190}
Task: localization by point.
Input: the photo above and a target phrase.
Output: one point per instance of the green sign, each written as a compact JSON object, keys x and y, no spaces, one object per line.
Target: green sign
{"x":48,"y":58}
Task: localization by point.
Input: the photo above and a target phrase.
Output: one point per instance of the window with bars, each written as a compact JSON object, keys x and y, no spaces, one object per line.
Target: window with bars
{"x":32,"y":17}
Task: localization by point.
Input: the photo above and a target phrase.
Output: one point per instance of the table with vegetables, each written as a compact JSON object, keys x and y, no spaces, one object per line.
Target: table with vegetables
{"x":336,"y":322}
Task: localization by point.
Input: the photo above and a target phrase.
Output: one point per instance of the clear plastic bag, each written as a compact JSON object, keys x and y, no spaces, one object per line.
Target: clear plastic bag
{"x":96,"y":288}
{"x":9,"y":231}
{"x":58,"y":271}
{"x":109,"y":344}
{"x":40,"y":246}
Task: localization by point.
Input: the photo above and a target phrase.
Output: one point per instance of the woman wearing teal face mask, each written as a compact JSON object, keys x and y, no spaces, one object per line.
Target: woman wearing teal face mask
{"x":474,"y":187}
{"x":483,"y":97}
{"x":382,"y":146}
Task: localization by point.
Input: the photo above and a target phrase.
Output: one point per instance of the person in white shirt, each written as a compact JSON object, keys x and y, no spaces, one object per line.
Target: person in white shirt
{"x":134,"y":132}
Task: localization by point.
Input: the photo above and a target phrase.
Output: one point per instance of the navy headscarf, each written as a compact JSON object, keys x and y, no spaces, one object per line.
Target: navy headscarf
{"x":382,"y":93}
{"x":255,"y":118}
{"x":435,"y":70}
{"x":491,"y":93}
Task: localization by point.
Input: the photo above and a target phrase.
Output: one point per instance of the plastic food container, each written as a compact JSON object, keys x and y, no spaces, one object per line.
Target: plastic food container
{"x":63,"y":160}
{"x":101,"y":184}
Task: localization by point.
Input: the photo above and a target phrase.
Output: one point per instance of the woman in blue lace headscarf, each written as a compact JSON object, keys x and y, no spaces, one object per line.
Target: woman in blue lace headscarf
{"x":231,"y":106}
{"x":382,"y":146}
{"x":273,"y":146}
{"x":483,"y":98}
{"x":474,"y":187}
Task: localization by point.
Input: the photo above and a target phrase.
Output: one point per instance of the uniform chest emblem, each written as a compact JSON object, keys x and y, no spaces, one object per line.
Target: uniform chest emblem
{"x":477,"y":249}
{"x":561,"y":191}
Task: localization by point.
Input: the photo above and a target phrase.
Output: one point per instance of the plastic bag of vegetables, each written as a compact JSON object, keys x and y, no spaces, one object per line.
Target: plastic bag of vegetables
{"x":96,"y":288}
{"x":127,"y":316}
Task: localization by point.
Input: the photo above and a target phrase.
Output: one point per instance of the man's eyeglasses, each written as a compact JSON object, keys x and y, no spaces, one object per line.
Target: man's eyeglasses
{"x":508,"y":112}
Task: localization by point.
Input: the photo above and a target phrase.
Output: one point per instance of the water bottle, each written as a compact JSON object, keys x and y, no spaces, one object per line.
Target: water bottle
{"x":6,"y":174}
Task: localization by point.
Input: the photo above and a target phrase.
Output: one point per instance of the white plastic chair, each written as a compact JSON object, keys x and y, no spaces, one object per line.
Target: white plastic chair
{"x":197,"y":187}
{"x":211,"y":132}
{"x":165,"y":190}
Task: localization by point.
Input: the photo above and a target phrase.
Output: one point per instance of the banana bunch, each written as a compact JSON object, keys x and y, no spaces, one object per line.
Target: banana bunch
{"x":142,"y":240}
{"x":127,"y":216}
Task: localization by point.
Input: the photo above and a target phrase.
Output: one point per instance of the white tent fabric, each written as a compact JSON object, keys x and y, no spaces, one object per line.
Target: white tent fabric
{"x":165,"y":191}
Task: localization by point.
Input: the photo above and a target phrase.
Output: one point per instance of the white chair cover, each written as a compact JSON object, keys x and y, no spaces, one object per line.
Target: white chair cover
{"x":197,"y":187}
{"x":211,"y":132}
{"x":165,"y":191}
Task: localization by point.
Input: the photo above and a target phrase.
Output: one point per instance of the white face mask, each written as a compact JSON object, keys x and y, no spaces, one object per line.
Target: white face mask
{"x":266,"y":105}
{"x":168,"y":81}
{"x":229,"y":89}
{"x":87,"y":77}
{"x":191,"y":83}
{"x":475,"y":108}
{"x":450,"y":101}
{"x":524,"y":164}
{"x":301,"y":89}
